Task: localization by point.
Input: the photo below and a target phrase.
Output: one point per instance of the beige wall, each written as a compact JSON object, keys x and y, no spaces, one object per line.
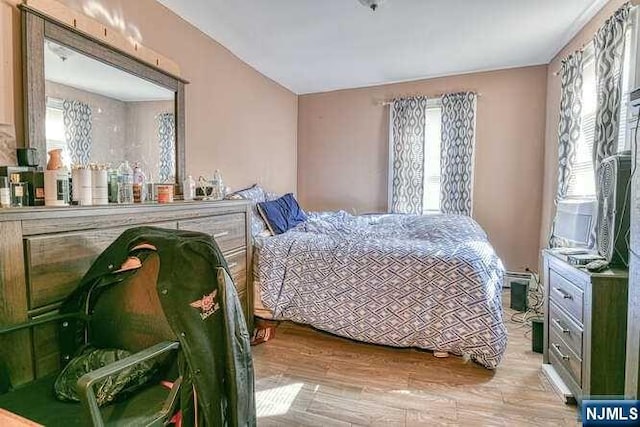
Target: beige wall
{"x":553,"y":113}
{"x":237,"y":120}
{"x":245,"y":124}
{"x":343,"y":152}
{"x":143,"y":144}
{"x":10,"y":73}
{"x":6,"y":68}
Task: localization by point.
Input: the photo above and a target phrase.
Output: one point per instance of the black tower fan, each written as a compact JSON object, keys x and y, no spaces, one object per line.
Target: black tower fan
{"x":613,"y":208}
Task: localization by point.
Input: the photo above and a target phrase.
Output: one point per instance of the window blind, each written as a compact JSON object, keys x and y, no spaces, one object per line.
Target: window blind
{"x":433,"y":139}
{"x":582,"y":181}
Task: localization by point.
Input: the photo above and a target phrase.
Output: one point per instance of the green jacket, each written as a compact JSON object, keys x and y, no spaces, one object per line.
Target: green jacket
{"x":215,"y":358}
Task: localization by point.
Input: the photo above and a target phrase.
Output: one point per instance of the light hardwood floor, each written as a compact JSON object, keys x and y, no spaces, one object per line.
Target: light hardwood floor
{"x":305,"y":377}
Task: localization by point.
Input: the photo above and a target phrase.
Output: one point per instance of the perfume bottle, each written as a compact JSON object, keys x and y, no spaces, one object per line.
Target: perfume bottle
{"x":139,"y":188}
{"x":19,"y":192}
{"x":5,"y":192}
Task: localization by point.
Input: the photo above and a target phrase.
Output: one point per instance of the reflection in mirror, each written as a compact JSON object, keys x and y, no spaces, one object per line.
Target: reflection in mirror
{"x":100,"y":114}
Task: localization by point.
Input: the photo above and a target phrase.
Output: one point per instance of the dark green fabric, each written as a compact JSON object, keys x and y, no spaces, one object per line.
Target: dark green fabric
{"x":37,"y":402}
{"x":108,"y":389}
{"x":217,"y":355}
{"x":5,"y":381}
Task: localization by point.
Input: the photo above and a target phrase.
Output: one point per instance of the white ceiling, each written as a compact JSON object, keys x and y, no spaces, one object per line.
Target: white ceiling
{"x":81,"y":72}
{"x":319,"y":45}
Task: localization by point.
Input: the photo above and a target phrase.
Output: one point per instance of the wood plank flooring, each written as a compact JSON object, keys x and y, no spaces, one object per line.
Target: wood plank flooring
{"x":305,"y":377}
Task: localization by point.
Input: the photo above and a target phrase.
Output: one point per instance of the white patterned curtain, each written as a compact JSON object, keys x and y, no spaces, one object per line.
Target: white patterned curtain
{"x":167,"y":140}
{"x":456,"y":158}
{"x":408,"y":117}
{"x":609,"y":47}
{"x":570,"y":119}
{"x":77,"y":130}
{"x":568,"y":127}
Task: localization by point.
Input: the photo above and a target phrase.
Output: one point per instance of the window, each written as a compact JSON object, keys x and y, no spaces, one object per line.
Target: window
{"x":54,"y":125}
{"x":582,"y":181}
{"x":431,"y":196}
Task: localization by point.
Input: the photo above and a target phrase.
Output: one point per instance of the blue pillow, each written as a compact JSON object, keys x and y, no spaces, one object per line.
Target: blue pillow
{"x":281,"y":214}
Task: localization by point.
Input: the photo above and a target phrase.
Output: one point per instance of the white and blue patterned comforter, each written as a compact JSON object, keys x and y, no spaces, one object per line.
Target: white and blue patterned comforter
{"x":432,"y":281}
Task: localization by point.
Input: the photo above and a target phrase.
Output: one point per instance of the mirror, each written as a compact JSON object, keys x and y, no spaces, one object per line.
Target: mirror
{"x":97,"y":113}
{"x":99,"y":104}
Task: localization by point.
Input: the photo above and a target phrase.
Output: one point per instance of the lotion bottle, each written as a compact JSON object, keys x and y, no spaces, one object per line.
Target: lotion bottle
{"x":125,"y":184}
{"x":189,"y":188}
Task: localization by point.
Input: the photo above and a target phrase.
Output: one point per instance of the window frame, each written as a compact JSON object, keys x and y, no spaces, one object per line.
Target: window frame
{"x":432,"y":103}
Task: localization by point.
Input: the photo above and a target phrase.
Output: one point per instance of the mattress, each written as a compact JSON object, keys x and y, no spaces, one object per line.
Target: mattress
{"x":427,"y":281}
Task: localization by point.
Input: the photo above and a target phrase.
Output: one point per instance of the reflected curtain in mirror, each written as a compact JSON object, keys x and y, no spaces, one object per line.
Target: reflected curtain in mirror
{"x":456,"y":159}
{"x":408,"y":118}
{"x":78,"y":131}
{"x":166,"y":138}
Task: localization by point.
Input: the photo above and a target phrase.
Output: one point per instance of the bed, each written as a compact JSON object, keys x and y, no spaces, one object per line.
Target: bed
{"x":431,"y":282}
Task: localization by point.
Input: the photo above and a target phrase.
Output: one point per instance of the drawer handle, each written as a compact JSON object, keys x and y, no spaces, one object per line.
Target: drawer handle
{"x":563,"y":293}
{"x":557,"y":348}
{"x":558,"y":325}
{"x":221,"y":234}
{"x":232,"y":265}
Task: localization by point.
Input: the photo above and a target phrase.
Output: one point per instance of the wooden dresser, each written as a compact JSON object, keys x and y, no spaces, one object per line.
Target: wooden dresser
{"x":585,"y":328}
{"x":45,"y":251}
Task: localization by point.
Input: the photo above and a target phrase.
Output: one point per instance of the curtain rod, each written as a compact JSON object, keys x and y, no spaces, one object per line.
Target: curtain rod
{"x":584,"y":48}
{"x":586,"y":45}
{"x":435,"y":97}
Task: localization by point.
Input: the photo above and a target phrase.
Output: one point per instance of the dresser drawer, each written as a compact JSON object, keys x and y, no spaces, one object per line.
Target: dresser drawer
{"x":46,"y":349}
{"x":566,"y":295}
{"x":237,"y":263}
{"x":57,"y":262}
{"x":228,"y":230}
{"x":566,"y":328}
{"x":560,"y":353}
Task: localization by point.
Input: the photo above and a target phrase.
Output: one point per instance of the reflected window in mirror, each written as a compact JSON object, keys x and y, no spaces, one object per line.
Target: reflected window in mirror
{"x":100,"y":114}
{"x":55,"y":129}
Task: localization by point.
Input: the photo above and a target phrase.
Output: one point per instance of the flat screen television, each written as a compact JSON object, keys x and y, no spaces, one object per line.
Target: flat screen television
{"x":574,"y":224}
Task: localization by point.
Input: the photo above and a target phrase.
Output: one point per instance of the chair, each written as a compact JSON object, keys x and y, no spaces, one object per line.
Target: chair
{"x":127,"y":315}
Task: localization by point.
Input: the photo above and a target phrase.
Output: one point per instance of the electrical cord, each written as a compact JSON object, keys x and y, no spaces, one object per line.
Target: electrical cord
{"x":634,"y":162}
{"x":535,"y":305}
{"x":634,"y":165}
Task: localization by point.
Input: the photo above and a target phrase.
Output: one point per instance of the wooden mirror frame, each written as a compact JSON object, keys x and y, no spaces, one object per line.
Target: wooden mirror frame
{"x":36,"y":28}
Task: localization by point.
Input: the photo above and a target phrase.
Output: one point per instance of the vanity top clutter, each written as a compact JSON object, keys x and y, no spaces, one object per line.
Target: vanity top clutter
{"x":93,"y":184}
